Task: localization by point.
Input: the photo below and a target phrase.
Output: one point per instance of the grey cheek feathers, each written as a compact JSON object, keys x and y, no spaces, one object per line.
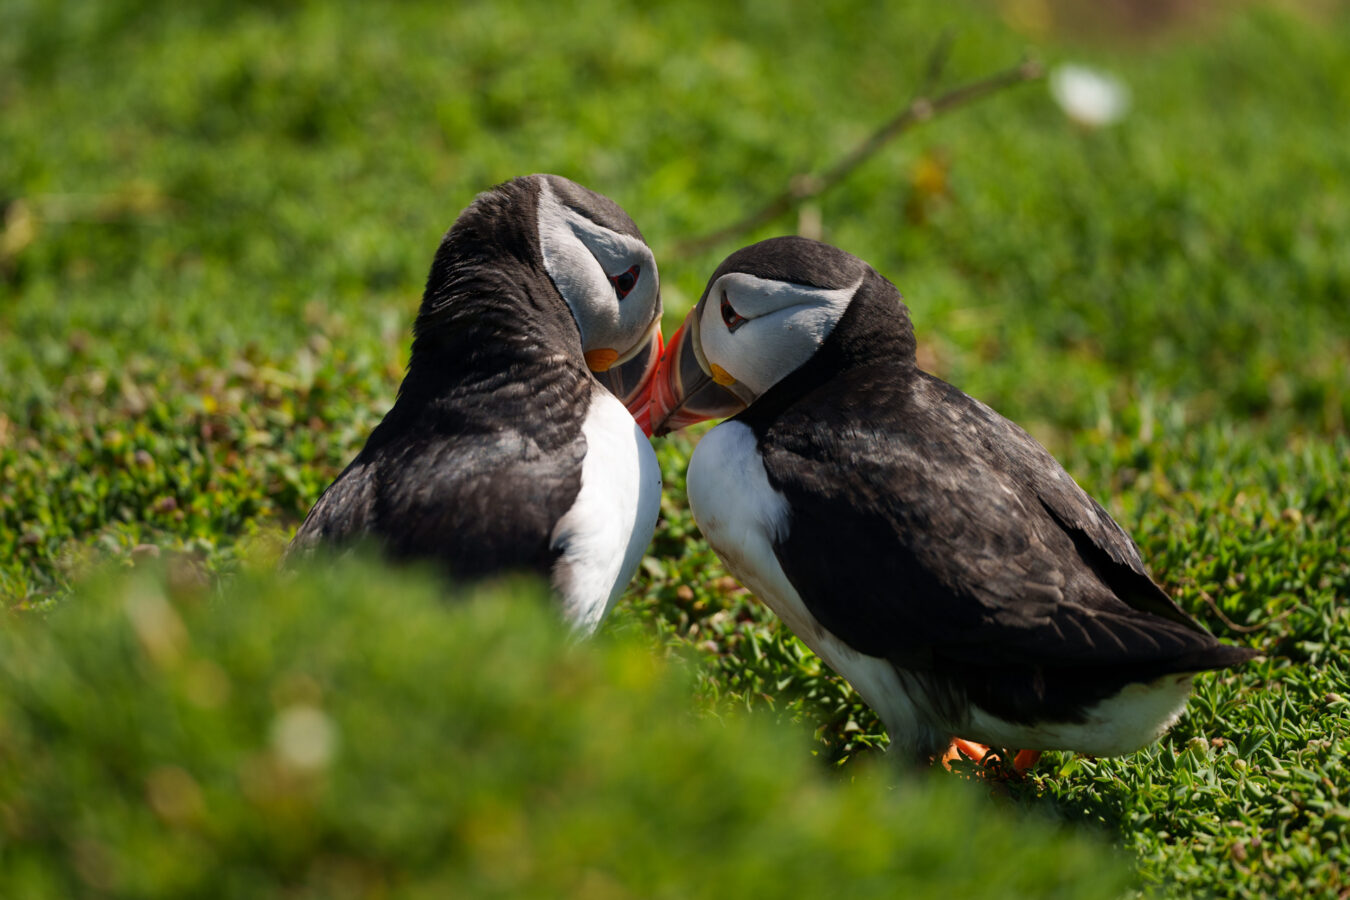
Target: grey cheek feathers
{"x":787,"y":324}
{"x":580,"y":255}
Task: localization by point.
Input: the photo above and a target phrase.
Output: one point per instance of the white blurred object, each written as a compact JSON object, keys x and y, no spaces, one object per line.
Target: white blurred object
{"x":304,"y":737}
{"x":1089,"y":97}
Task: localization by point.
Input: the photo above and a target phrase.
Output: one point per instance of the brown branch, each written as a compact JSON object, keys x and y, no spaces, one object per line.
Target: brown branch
{"x":920,"y":109}
{"x":1229,"y":623}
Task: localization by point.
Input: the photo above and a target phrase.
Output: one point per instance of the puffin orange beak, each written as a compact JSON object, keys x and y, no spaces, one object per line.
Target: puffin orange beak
{"x":630,"y":379}
{"x":683,"y":392}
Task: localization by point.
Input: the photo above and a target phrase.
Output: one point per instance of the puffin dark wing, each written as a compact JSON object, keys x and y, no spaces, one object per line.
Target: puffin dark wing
{"x":1098,"y":539}
{"x":479,"y":504}
{"x":476,"y":487}
{"x":475,"y":504}
{"x":342,"y":513}
{"x":919,"y":533}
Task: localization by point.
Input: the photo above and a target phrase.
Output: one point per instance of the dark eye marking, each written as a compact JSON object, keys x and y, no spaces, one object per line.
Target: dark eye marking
{"x":624,"y":281}
{"x":730,"y":317}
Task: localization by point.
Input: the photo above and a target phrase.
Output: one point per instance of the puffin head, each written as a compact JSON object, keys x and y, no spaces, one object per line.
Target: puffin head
{"x":788,"y":306}
{"x":522,"y":246}
{"x":606,"y":274}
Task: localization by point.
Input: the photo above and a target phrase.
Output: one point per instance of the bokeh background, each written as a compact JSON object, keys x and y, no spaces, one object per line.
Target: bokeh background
{"x":218,"y":218}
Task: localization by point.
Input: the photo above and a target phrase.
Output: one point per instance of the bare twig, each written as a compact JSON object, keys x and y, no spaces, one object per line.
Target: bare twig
{"x":920,"y":109}
{"x":1229,"y":623}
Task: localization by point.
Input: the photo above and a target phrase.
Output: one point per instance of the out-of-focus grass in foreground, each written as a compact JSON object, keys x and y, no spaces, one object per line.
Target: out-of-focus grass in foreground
{"x":348,"y":733}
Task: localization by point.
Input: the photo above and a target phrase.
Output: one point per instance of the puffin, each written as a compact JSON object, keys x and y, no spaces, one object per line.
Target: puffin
{"x":512,"y":444}
{"x":928,"y":549}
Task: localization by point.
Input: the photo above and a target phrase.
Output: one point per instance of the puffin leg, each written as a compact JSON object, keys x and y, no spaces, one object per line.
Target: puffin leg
{"x":963,"y":749}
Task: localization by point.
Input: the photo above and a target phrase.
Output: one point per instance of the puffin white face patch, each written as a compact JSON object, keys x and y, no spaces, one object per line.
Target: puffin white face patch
{"x":609,"y":280}
{"x":758,"y":331}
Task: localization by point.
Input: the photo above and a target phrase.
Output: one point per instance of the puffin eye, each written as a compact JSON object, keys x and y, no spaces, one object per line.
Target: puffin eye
{"x":730,"y":317}
{"x":623,"y":282}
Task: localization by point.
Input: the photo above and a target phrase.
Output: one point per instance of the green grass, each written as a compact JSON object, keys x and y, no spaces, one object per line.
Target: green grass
{"x":349,"y":735}
{"x":217,"y":221}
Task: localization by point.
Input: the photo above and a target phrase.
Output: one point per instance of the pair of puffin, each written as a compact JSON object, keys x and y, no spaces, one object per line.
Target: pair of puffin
{"x":928,"y":549}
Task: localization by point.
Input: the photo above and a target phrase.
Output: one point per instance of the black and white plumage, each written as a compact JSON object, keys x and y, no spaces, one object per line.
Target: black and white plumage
{"x":503,"y":451}
{"x":928,"y":549}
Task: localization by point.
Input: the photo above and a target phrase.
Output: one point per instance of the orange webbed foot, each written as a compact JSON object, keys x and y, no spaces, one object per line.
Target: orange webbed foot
{"x":960,"y":748}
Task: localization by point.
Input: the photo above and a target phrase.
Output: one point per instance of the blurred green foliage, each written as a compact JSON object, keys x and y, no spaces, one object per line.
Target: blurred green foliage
{"x":346,"y":734}
{"x":216,"y":219}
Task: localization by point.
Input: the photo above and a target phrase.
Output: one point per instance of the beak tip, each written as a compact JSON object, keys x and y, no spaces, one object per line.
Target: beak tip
{"x":681,"y":392}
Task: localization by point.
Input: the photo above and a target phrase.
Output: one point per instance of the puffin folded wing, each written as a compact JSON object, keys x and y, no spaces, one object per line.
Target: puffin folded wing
{"x":340,"y":515}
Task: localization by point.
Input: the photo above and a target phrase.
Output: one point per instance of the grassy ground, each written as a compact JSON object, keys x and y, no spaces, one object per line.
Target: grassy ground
{"x":217,"y":221}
